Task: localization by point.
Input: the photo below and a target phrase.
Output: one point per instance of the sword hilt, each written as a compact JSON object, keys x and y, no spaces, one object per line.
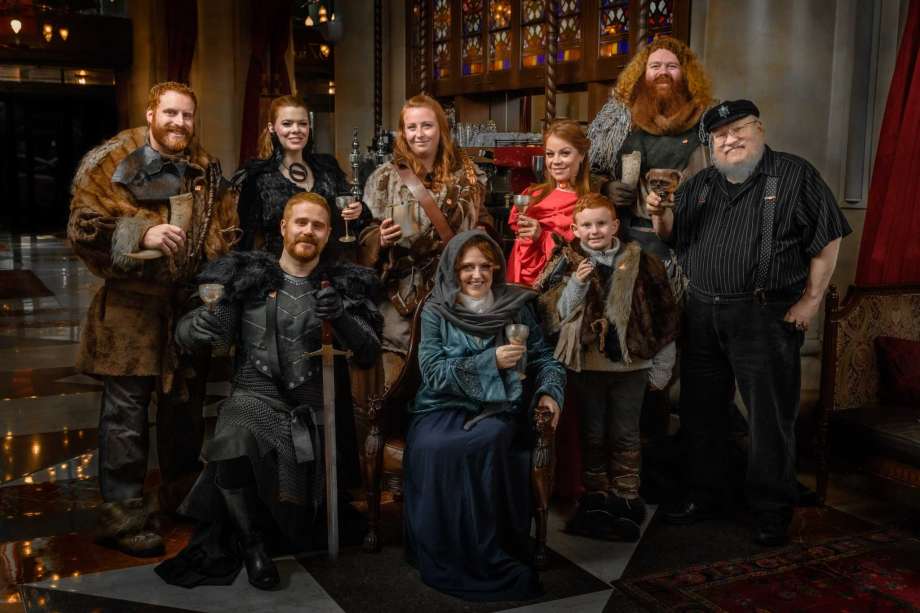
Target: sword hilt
{"x":327,"y":336}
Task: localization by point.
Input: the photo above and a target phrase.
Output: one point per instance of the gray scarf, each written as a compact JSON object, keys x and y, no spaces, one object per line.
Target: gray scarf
{"x":508,"y":299}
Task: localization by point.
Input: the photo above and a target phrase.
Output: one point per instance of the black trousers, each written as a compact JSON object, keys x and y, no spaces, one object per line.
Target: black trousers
{"x":747,"y":341}
{"x":123,"y":433}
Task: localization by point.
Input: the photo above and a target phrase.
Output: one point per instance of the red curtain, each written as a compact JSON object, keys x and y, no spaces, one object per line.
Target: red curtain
{"x":270,"y":29}
{"x":890,"y":248}
{"x":181,"y":33}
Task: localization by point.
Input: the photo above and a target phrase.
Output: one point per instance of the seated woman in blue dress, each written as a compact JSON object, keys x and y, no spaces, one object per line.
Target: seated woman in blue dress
{"x":467,"y":461}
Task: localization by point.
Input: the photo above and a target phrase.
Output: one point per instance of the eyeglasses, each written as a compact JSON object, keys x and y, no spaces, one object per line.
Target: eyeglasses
{"x":735,"y":131}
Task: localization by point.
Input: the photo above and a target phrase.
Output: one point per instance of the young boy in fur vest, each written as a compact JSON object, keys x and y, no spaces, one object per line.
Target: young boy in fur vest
{"x":616,"y":317}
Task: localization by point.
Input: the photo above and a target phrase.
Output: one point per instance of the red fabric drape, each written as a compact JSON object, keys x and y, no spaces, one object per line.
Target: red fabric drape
{"x":270,"y":30}
{"x":181,"y":34}
{"x":529,"y":257}
{"x":890,"y":249}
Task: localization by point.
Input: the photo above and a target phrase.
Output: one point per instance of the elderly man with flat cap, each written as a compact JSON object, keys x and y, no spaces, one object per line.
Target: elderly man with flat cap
{"x":758,"y":234}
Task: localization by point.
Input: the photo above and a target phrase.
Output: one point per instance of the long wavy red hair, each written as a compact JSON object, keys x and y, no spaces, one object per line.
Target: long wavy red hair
{"x":572,"y":133}
{"x":447,"y":158}
{"x":265,"y":138}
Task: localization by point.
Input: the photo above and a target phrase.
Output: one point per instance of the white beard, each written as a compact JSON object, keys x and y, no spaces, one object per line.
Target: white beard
{"x":739,"y":172}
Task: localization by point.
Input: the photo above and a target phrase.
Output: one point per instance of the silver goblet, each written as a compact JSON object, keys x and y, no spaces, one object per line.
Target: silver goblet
{"x":210,"y":293}
{"x":342,"y":203}
{"x":517,"y":335}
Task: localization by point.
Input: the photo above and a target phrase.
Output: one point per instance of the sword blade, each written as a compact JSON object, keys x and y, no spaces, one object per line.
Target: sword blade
{"x":332,"y":485}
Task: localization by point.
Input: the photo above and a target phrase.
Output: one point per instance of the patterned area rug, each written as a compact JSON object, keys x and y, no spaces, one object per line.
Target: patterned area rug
{"x":875,"y":571}
{"x":21,"y":284}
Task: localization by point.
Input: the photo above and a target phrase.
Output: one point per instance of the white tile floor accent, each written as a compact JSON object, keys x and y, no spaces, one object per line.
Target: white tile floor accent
{"x":298,"y":592}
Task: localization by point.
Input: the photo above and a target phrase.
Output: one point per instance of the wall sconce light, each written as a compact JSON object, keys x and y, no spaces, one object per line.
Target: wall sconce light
{"x":324,"y":51}
{"x":64,"y":32}
{"x":48,"y":32}
{"x":331,"y":88}
{"x":16,"y":25}
{"x":332,"y":17}
{"x":308,"y":22}
{"x":323,"y":15}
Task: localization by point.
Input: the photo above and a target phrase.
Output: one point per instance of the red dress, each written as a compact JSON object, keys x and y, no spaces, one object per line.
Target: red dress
{"x":528,"y":257}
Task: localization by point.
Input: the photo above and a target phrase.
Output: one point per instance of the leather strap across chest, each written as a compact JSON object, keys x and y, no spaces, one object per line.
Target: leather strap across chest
{"x":411,"y":181}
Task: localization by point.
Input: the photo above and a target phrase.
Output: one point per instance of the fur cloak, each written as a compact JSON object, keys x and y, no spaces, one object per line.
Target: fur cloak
{"x":638,"y":301}
{"x":128,"y":327}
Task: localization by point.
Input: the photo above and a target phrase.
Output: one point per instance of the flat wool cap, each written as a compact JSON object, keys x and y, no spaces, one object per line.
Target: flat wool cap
{"x":727,"y":112}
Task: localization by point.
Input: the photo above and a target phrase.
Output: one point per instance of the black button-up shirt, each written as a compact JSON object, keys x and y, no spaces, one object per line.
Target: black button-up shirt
{"x":718,"y":242}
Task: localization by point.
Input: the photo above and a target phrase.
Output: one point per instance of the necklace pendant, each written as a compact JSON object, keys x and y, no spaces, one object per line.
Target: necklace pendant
{"x":298,"y":172}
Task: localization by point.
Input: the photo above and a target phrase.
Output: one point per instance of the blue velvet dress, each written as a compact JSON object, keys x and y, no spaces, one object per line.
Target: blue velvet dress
{"x":467,"y":490}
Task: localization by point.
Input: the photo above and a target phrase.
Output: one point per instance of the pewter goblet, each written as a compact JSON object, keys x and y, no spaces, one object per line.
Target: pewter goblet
{"x":521,"y":202}
{"x":210,"y":293}
{"x":342,"y":203}
{"x":517,"y":335}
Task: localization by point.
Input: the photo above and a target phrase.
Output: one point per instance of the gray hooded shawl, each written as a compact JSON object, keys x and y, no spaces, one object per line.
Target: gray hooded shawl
{"x":509,"y":298}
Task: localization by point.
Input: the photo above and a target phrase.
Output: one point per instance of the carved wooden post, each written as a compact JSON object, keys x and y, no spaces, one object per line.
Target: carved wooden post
{"x":423,"y":56}
{"x":378,"y":66}
{"x":543,"y":466}
{"x":642,"y":30}
{"x":373,"y":462}
{"x":552,"y":35}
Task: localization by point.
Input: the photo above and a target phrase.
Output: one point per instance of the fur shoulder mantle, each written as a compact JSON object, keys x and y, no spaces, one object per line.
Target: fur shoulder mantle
{"x":252,"y":275}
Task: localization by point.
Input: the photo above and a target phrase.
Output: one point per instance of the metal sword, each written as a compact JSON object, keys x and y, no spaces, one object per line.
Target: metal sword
{"x":327,"y":352}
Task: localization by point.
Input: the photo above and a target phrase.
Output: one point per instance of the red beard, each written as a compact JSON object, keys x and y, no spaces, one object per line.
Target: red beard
{"x":299,"y":249}
{"x":174,"y":139}
{"x":659,"y":106}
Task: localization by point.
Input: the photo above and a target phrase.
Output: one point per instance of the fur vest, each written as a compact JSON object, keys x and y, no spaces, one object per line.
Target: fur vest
{"x":129,"y":323}
{"x":637,"y":300}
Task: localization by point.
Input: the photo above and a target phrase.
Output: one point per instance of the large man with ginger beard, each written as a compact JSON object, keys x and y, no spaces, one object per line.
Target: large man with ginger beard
{"x":655,"y":110}
{"x":128,"y":194}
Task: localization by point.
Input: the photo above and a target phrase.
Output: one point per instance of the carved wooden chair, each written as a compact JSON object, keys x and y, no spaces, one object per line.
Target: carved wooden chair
{"x":383,"y":452}
{"x":883,"y":440}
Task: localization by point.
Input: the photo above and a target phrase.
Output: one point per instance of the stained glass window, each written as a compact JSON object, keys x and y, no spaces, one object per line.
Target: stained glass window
{"x":532,"y":10}
{"x":614,"y":28}
{"x":441,"y":24}
{"x":472,"y":58}
{"x":500,"y":50}
{"x":500,"y":15}
{"x":570,"y":41}
{"x":660,"y":18}
{"x":499,"y":35}
{"x":533,"y":44}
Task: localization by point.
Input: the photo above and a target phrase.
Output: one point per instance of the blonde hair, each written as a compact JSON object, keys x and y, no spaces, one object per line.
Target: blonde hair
{"x":153,"y":96}
{"x":265,"y":149}
{"x":571,"y":132}
{"x":447,"y":157}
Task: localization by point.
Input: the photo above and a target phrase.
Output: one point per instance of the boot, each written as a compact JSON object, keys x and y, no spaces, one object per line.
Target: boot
{"x":122,"y":526}
{"x":259,"y":566}
{"x":593,"y":520}
{"x":630,"y":508}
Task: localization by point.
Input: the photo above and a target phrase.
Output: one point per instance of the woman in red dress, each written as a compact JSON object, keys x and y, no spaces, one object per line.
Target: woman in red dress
{"x":551,"y":203}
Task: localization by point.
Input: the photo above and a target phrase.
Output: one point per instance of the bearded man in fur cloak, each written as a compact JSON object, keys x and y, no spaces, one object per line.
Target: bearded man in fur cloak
{"x":655,"y":110}
{"x":149,"y":207}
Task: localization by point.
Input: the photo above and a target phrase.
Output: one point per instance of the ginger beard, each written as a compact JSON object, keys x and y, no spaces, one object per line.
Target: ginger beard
{"x":306,"y":231}
{"x":663,"y":97}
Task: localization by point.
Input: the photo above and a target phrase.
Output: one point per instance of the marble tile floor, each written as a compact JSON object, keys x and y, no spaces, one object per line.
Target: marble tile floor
{"x":49,"y":495}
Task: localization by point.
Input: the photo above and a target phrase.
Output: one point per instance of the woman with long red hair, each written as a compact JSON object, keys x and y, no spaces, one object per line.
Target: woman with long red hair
{"x":428,"y":173}
{"x":552,"y":202}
